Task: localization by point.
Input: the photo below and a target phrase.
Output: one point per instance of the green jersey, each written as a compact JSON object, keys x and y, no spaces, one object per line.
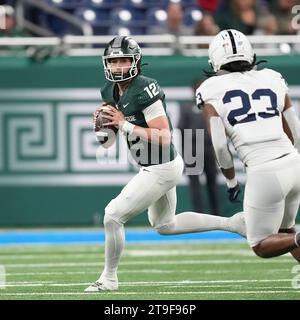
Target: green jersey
{"x":141,"y":93}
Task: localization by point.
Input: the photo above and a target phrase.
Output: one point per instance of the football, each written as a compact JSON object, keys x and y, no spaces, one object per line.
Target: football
{"x":105,"y":134}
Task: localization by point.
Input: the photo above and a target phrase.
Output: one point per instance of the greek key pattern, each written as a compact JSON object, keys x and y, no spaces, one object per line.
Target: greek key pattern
{"x":39,"y":139}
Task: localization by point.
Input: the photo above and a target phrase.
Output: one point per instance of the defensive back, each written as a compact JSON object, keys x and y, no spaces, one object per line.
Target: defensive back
{"x":250,"y":105}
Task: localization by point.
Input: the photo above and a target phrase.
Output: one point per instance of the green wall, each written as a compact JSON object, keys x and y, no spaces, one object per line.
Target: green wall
{"x":62,"y":206}
{"x":86,"y":72}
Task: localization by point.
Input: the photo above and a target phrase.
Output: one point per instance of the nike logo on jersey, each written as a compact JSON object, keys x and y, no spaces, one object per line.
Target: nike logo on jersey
{"x":125,"y":105}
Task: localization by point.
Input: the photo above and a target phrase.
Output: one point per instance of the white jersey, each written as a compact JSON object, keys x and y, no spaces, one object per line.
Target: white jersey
{"x":250,"y":105}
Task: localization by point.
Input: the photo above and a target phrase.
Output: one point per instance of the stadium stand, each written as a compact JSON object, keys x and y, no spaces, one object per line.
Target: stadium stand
{"x":103,"y":18}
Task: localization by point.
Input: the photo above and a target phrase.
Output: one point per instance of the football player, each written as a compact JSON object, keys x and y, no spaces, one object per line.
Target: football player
{"x":139,"y":111}
{"x":250,"y":107}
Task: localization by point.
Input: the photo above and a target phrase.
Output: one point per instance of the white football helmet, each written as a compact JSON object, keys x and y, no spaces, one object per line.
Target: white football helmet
{"x":228,"y":46}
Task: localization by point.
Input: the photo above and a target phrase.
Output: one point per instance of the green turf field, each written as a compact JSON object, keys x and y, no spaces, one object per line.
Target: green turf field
{"x":150,"y":271}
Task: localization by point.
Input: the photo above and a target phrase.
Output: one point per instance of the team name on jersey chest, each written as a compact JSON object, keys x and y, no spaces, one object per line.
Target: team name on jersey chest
{"x":126,"y":110}
{"x":130,"y":118}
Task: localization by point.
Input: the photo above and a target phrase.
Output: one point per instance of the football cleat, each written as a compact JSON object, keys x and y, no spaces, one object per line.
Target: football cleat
{"x":102,"y":285}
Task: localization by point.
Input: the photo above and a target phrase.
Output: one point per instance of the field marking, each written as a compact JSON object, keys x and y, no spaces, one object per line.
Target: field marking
{"x":164,"y":242}
{"x":150,"y":262}
{"x":183,"y":282}
{"x":163,"y":252}
{"x":130,"y":246}
{"x":135,"y":253}
{"x":150,"y":271}
{"x":49,"y":256}
{"x":147,"y":293}
{"x":147,"y":283}
{"x":139,"y":271}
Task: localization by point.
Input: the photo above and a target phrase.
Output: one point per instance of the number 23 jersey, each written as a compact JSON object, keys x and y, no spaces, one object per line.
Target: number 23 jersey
{"x":250,"y":104}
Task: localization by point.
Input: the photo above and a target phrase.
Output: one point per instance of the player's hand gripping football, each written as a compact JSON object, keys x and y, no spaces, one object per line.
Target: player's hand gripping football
{"x":233,"y":193}
{"x":96,"y":114}
{"x":115,"y":116}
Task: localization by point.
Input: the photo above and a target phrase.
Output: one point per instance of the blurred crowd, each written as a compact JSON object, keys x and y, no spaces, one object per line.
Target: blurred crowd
{"x":252,"y":17}
{"x":249,"y":16}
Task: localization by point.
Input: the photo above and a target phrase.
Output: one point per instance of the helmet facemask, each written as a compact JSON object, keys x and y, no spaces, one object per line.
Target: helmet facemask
{"x":118,"y":77}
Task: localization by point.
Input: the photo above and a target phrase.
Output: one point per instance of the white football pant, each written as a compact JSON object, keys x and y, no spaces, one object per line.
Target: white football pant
{"x":272,"y":197}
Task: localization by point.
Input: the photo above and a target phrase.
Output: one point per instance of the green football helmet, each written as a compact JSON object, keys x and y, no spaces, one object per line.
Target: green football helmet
{"x":122,"y":47}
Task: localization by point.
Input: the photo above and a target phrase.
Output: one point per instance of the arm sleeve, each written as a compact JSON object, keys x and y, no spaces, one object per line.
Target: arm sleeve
{"x":155,"y":110}
{"x":219,"y":141}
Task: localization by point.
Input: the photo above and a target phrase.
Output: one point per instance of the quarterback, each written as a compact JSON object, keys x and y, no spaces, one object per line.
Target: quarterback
{"x":253,"y":109}
{"x":135,"y":104}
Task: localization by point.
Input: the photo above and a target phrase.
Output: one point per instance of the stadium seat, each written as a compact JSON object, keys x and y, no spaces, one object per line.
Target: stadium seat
{"x":146,"y":4}
{"x":57,"y":25}
{"x":189,"y":3}
{"x":126,"y":17}
{"x":96,"y":17}
{"x":66,"y":4}
{"x":184,"y":3}
{"x":192,"y":16}
{"x":156,"y":16}
{"x":134,"y":3}
{"x":100,"y":30}
{"x":126,"y":30}
{"x":103,"y":3}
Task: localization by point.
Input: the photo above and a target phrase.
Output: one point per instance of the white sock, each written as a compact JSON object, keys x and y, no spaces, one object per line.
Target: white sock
{"x":237,"y":224}
{"x":114,"y":245}
{"x":189,"y":222}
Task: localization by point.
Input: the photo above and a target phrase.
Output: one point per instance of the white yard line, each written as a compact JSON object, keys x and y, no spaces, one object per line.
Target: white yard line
{"x":150,"y":293}
{"x":131,"y":253}
{"x":150,"y":262}
{"x":153,"y":271}
{"x":135,"y":271}
{"x":184,"y":283}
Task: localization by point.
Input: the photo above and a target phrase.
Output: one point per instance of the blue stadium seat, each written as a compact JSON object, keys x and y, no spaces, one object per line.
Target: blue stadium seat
{"x":137,"y":3}
{"x":100,"y":30}
{"x":189,"y":3}
{"x":57,"y":25}
{"x":127,"y":17}
{"x":103,"y":3}
{"x":66,"y":4}
{"x":184,"y":3}
{"x":156,"y":16}
{"x":96,"y":17}
{"x":192,"y":16}
{"x":126,"y":30}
